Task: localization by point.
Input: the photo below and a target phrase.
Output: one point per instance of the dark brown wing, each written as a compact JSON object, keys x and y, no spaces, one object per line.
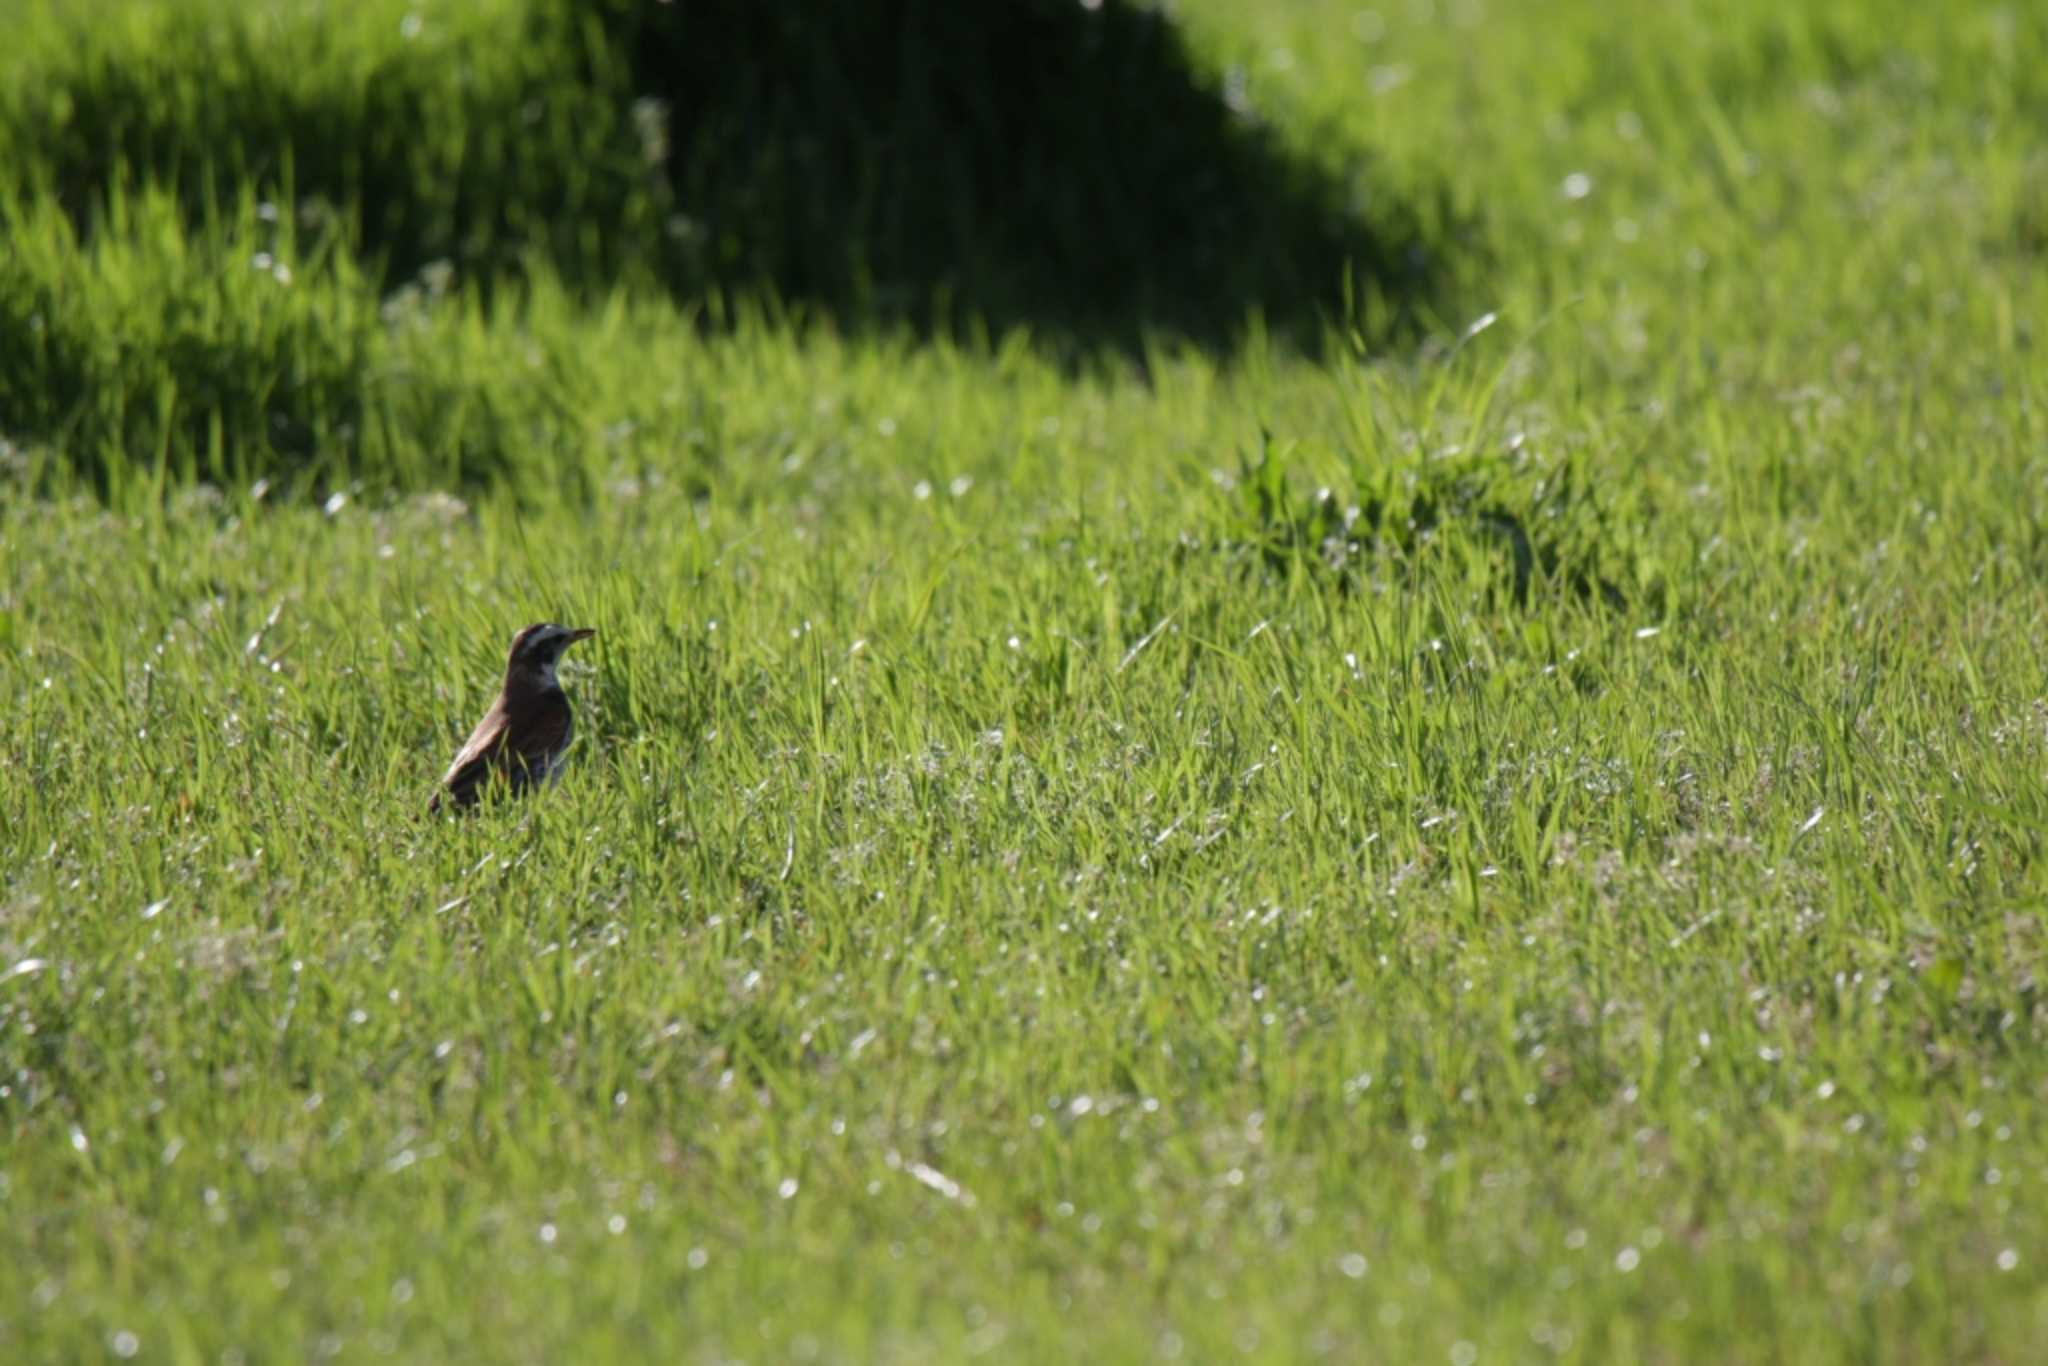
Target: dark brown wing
{"x":466,"y":776}
{"x":493,"y":749}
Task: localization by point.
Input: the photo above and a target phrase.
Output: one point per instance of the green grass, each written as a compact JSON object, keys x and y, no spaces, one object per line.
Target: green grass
{"x":1031,"y":882}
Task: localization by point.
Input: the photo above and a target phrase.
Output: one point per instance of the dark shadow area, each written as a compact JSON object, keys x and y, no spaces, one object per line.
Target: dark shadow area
{"x":929,"y":163}
{"x":1021,"y":162}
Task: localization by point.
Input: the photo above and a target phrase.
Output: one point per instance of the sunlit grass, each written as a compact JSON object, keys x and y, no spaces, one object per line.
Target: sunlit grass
{"x":994,"y":905}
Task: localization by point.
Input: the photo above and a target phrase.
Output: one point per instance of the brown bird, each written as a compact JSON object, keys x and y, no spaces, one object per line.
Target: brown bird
{"x":524,"y":735}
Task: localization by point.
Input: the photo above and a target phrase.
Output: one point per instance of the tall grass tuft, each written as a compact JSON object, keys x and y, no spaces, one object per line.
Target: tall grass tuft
{"x":159,"y":349}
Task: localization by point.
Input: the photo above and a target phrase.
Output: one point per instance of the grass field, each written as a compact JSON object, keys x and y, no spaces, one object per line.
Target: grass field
{"x":1512,"y":832}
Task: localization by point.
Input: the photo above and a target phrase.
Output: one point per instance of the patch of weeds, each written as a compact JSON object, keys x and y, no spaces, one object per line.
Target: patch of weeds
{"x":1496,"y":520}
{"x":1425,"y":482}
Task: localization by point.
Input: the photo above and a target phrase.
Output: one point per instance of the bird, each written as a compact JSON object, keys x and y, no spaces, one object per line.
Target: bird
{"x":525,"y":734}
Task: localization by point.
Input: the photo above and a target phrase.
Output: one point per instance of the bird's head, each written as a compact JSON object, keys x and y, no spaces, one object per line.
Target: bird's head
{"x":537,"y":649}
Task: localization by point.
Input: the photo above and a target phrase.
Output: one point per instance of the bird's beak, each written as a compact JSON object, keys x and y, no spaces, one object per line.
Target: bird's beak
{"x":581,"y":633}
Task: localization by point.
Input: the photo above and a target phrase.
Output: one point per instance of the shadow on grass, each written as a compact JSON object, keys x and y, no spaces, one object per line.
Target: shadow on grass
{"x":1038,"y":163}
{"x":1044,"y":164}
{"x":219,"y":220}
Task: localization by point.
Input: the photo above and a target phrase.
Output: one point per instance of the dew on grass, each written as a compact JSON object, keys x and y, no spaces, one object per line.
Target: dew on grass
{"x":931,"y":1178}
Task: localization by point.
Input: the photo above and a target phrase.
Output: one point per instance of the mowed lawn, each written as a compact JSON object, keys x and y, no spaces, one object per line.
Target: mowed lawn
{"x":1547,"y":867}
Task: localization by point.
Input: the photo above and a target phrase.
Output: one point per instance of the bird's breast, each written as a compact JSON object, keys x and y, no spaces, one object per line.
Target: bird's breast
{"x":551,"y":762}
